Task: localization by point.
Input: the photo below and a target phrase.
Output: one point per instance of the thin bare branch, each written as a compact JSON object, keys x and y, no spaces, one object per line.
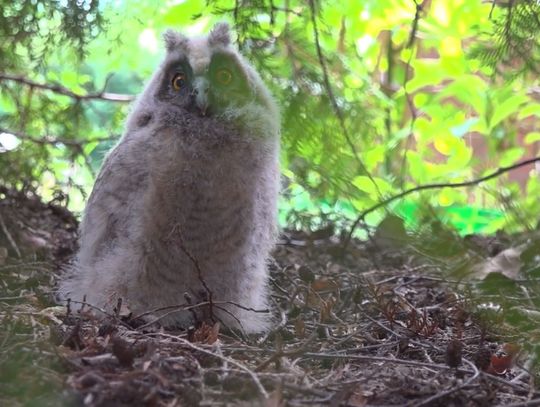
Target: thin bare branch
{"x":105,"y":96}
{"x":52,"y":140}
{"x":419,"y":188}
{"x":333,"y":101}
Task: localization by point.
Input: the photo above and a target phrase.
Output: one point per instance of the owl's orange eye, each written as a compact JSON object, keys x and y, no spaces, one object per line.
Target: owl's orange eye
{"x":178,"y":81}
{"x":224,"y":76}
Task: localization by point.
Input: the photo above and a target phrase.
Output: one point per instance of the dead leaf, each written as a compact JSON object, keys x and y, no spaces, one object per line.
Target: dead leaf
{"x":206,"y":333}
{"x":124,"y":311}
{"x":326,"y":310}
{"x":507,"y":263}
{"x":324,"y":284}
{"x":504,"y":358}
{"x":499,"y":365}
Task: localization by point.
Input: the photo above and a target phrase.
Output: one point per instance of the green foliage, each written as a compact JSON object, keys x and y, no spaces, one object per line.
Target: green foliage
{"x":43,"y":43}
{"x":376,"y":97}
{"x":31,"y":29}
{"x":512,"y":46}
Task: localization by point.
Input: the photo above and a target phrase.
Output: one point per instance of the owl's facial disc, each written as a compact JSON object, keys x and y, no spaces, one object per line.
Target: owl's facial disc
{"x":221,"y":85}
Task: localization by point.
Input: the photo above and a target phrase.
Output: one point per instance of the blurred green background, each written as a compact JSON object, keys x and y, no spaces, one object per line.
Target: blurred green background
{"x":376,"y":96}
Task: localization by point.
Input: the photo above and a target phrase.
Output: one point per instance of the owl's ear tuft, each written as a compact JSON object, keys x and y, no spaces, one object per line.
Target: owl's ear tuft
{"x":173,"y":39}
{"x":220,"y":35}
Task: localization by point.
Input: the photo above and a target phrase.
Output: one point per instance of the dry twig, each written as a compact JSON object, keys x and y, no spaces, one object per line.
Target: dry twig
{"x":233,"y":362}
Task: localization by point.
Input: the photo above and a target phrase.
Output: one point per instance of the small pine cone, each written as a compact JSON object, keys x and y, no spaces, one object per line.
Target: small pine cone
{"x":453,"y":353}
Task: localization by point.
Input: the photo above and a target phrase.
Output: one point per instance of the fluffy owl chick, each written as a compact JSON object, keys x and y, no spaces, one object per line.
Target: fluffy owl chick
{"x":191,"y":188}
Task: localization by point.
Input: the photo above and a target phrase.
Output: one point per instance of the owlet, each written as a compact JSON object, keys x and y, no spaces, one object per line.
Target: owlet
{"x":185,"y":204}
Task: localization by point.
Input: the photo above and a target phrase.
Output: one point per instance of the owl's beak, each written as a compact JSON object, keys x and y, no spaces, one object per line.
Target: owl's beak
{"x":200,"y":91}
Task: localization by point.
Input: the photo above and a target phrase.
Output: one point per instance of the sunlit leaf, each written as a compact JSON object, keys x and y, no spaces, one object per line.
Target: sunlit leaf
{"x":532,"y":137}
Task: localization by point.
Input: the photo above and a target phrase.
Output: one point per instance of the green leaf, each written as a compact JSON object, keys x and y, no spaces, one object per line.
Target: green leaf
{"x":511,"y":156}
{"x":373,"y":187}
{"x":506,"y":108}
{"x":426,"y":72}
{"x":532,"y":109}
{"x":532,"y":137}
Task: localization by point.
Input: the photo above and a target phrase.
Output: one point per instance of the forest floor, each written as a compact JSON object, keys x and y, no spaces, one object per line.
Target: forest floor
{"x":387,"y":322}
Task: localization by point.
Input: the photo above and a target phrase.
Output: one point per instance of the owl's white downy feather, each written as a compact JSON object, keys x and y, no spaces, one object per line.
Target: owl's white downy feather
{"x":194,"y":179}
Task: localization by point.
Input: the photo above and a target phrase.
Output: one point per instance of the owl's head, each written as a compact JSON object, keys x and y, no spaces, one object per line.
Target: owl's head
{"x":206,"y":75}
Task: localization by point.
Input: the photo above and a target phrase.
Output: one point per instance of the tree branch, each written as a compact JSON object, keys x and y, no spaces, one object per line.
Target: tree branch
{"x":333,"y":100}
{"x":105,"y":96}
{"x":51,"y":140}
{"x":408,"y":97}
{"x":403,"y":194}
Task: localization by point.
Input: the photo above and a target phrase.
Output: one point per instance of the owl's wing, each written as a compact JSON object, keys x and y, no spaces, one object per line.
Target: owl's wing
{"x":122,"y":178}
